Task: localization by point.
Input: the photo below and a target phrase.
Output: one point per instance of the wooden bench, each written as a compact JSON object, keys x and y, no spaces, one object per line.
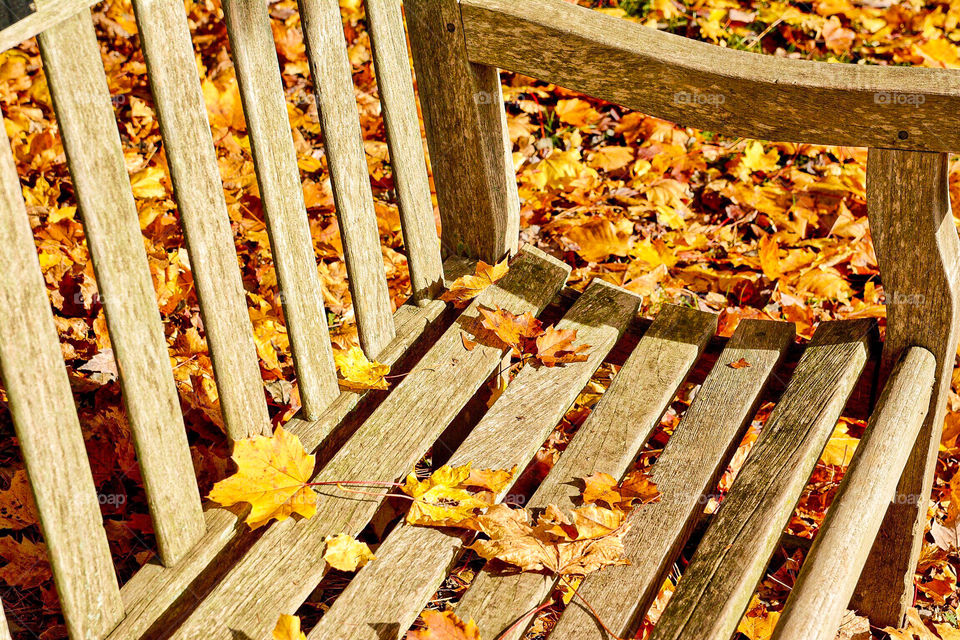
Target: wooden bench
{"x":215,"y":579}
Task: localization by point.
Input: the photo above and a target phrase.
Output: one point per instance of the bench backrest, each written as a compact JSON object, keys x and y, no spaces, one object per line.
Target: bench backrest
{"x":32,"y":366}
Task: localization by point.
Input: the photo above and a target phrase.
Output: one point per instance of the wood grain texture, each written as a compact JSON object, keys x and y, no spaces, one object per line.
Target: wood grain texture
{"x":286,"y":563}
{"x":701,"y":85}
{"x":157,"y":596}
{"x":464,"y":120}
{"x":820,"y":595}
{"x":912,"y":226}
{"x":608,"y":441}
{"x":349,"y":178}
{"x":686,"y":472}
{"x":716,"y":587}
{"x":265,"y":109}
{"x":394,"y":82}
{"x":384,"y":599}
{"x":178,"y":99}
{"x":4,"y":628}
{"x":45,"y":420}
{"x":78,"y":85}
{"x":48,"y":14}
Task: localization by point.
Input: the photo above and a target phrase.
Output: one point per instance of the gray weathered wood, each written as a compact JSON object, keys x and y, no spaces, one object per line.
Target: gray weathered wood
{"x":916,"y":242}
{"x":608,"y":441}
{"x":81,"y":99}
{"x":686,"y":472}
{"x":261,"y":90}
{"x":464,"y":119}
{"x":46,"y":424}
{"x":701,"y":85}
{"x":48,"y":14}
{"x":156,"y":595}
{"x":399,"y":103}
{"x":172,"y":70}
{"x":386,"y":596}
{"x":286,"y":562}
{"x":820,"y":595}
{"x":717,"y":585}
{"x":346,"y":158}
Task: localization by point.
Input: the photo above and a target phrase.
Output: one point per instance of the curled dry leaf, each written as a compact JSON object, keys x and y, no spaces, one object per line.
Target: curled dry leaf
{"x":739,"y":364}
{"x":444,"y":625}
{"x":357,"y":373}
{"x":345,"y":553}
{"x":288,"y":628}
{"x":466,"y":288}
{"x":637,"y":486}
{"x":272,"y":476}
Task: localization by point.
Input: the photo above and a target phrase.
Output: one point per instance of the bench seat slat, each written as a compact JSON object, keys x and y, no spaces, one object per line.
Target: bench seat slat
{"x":349,"y":177}
{"x":413,"y":561}
{"x":157,"y":595}
{"x":399,"y":103}
{"x":78,"y":85}
{"x":168,"y":50}
{"x":275,"y":159}
{"x":45,"y":419}
{"x":608,"y":441}
{"x":716,"y":587}
{"x":831,"y":569}
{"x":687,"y":470}
{"x":286,"y":563}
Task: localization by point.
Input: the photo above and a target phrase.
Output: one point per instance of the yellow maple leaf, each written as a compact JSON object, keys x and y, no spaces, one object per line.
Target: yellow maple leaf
{"x":288,"y":628}
{"x":612,"y":158}
{"x":358,"y":373}
{"x":577,"y":112}
{"x":758,"y":622}
{"x":345,"y":553}
{"x":755,"y":159}
{"x":444,"y":625}
{"x":453,"y":496}
{"x":840,"y":448}
{"x":468,"y":287}
{"x":272,"y":476}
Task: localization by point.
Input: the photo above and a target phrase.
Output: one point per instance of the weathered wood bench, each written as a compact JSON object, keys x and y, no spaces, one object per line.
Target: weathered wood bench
{"x":214,"y":578}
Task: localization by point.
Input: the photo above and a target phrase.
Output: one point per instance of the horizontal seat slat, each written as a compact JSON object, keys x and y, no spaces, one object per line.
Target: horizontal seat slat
{"x":720,"y":89}
{"x":81,"y":100}
{"x":349,"y":177}
{"x":286,"y":563}
{"x":387,"y":595}
{"x":716,"y":587}
{"x":156,"y":595}
{"x":608,"y":441}
{"x":687,"y":470}
{"x":830,"y":571}
{"x":399,"y":104}
{"x":275,"y":159}
{"x":178,"y":98}
{"x":45,"y":419}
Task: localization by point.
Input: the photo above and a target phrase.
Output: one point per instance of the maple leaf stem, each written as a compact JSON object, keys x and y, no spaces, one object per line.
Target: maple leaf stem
{"x":362,"y":483}
{"x":529,"y":614}
{"x":593,"y":612}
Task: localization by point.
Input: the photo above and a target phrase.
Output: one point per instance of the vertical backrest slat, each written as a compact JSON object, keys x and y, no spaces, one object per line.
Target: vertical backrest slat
{"x":178,"y":98}
{"x":4,"y":628}
{"x":399,"y":104}
{"x":261,"y":90}
{"x":78,"y":85}
{"x":45,"y":419}
{"x":349,"y":176}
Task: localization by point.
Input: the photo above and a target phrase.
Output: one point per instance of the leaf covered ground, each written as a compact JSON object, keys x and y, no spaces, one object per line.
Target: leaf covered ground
{"x":745,"y":228}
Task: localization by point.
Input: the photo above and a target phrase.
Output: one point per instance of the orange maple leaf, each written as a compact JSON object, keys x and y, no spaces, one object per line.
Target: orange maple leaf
{"x":468,"y":287}
{"x":510,"y":328}
{"x":556,"y":346}
{"x":272,"y":476}
{"x":636,"y":487}
{"x":444,"y":625}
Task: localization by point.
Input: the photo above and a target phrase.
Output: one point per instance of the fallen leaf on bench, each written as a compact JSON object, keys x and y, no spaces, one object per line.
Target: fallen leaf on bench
{"x":452,"y":496}
{"x":585,"y":542}
{"x":556,"y":346}
{"x":466,"y":288}
{"x":288,"y":628}
{"x":345,"y":553}
{"x":739,"y":364}
{"x":444,"y":625}
{"x":528,"y":338}
{"x":636,"y":487}
{"x":358,"y":373}
{"x":272,"y":476}
{"x":510,"y":328}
